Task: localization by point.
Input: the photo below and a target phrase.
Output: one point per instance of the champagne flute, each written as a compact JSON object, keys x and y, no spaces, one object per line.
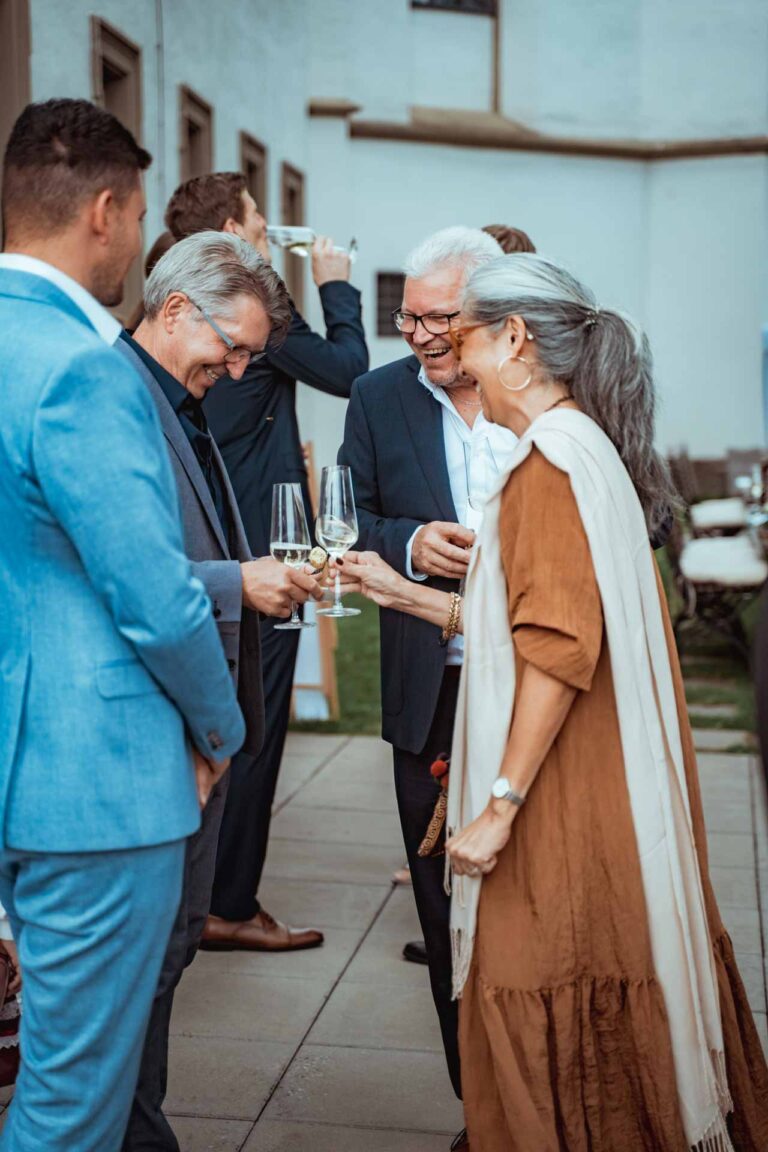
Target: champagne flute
{"x":289,"y":538}
{"x":336,"y":526}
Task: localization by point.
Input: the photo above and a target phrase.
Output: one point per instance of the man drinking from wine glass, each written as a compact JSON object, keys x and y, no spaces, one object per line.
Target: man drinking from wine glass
{"x":253,"y":418}
{"x":210,"y":306}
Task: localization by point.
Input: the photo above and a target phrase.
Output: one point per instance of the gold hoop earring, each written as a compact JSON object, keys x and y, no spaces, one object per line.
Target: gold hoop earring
{"x":517,"y":387}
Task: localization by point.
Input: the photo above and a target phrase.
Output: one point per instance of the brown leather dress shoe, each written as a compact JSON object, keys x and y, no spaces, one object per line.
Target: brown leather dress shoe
{"x":261,"y":934}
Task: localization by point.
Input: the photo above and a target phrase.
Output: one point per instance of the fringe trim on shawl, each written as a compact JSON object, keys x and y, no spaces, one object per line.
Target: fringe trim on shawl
{"x":462,"y":945}
{"x":716,"y":1137}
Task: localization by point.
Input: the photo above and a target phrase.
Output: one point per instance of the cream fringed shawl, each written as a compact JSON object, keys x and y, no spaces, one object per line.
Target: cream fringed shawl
{"x":650,"y":736}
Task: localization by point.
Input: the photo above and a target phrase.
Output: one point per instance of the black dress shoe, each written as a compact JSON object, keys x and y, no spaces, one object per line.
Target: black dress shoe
{"x":416,"y":952}
{"x":461,"y":1142}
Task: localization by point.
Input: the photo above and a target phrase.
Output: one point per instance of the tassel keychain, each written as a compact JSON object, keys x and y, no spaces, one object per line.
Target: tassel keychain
{"x":439,"y":771}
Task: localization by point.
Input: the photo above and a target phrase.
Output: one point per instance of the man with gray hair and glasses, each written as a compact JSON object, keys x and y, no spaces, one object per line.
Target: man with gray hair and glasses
{"x":211,"y":304}
{"x":423,"y":457}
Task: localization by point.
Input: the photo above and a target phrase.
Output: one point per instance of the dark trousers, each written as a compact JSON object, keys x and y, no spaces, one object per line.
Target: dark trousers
{"x":417,"y":792}
{"x":244,"y":834}
{"x":148,"y":1130}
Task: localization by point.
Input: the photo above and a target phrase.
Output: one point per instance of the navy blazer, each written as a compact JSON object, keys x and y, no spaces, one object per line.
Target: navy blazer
{"x":253,"y":420}
{"x":393,"y":442}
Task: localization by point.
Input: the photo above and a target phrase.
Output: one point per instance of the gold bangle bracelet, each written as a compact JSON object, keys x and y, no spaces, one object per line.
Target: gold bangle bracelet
{"x":454,"y":618}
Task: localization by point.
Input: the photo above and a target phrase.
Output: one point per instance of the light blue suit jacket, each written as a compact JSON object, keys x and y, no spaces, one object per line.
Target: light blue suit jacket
{"x":109,"y":654}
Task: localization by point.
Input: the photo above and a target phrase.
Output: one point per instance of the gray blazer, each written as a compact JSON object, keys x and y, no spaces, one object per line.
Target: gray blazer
{"x":212,"y":562}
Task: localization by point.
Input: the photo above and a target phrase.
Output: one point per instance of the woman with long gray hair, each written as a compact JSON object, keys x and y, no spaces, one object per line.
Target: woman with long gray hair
{"x":602,"y":1009}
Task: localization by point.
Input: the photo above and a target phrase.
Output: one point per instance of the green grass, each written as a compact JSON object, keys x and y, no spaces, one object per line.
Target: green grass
{"x":357,"y":672}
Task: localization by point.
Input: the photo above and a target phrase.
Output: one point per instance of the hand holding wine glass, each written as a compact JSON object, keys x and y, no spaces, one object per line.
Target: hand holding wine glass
{"x":336,"y":527}
{"x":290,"y":542}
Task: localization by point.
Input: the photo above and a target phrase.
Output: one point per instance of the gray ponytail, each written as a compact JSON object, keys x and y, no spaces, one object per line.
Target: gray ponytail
{"x":601,"y":355}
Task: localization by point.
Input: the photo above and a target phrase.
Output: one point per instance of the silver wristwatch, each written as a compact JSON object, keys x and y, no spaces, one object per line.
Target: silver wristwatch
{"x":503,"y":790}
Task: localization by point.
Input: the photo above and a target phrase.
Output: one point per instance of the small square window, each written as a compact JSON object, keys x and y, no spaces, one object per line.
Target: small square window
{"x":389,"y":296}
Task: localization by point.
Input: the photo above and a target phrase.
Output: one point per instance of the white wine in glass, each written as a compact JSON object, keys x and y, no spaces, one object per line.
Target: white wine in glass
{"x":336,"y":526}
{"x":289,"y":538}
{"x":300,"y":240}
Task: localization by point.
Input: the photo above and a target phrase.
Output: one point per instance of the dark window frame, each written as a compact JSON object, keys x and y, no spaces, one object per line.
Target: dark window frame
{"x":466,"y":7}
{"x":15,"y":74}
{"x":293,"y":192}
{"x":389,"y":296}
{"x":255,"y":155}
{"x":113,"y":52}
{"x":193,"y":109}
{"x":111,"y":48}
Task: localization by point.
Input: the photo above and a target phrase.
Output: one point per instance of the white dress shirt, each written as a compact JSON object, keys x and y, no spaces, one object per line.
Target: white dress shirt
{"x":475,"y":457}
{"x":104,"y":322}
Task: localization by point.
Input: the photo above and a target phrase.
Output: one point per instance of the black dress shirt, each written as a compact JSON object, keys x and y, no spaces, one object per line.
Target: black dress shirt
{"x":253,"y":419}
{"x":190,"y":414}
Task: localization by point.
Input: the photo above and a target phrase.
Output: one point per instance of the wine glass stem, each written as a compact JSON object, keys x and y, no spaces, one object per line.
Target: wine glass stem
{"x":295,"y":613}
{"x":337,"y":590}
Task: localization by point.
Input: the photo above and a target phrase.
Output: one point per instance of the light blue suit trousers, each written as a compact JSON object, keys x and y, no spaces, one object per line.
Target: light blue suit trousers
{"x":92,"y":929}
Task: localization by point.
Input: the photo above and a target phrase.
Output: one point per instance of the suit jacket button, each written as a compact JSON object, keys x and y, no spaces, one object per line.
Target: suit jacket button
{"x":215,"y":740}
{"x":216,"y":613}
{"x":232,"y":665}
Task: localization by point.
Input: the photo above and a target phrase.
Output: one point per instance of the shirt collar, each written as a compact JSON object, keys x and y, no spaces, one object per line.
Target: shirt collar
{"x":104,"y":322}
{"x":176,"y":394}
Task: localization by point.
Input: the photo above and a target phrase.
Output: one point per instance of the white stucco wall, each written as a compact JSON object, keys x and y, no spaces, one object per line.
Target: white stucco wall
{"x":250,"y":66}
{"x":682,"y":245}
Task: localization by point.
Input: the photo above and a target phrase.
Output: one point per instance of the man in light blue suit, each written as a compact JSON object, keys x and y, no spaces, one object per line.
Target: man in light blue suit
{"x":110,"y":660}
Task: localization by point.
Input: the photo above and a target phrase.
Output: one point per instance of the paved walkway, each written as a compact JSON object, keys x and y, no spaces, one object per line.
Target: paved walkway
{"x":337,"y":1050}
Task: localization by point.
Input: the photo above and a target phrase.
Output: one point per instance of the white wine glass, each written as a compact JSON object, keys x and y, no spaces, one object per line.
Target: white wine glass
{"x":290,"y":542}
{"x":336,"y":526}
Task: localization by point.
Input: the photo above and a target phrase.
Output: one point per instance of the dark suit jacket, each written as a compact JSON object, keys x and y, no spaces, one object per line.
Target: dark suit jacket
{"x":393,"y":442}
{"x":253,"y":420}
{"x":212,"y":561}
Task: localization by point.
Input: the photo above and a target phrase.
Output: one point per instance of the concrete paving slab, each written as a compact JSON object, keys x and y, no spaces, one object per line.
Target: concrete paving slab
{"x":239,"y":1006}
{"x":398,"y":917}
{"x":726,"y":816}
{"x":359,"y":1087}
{"x":318,"y":964}
{"x":231,"y":1079}
{"x":314,"y":745}
{"x":356,"y":794}
{"x":731,"y":849}
{"x":721,"y":739}
{"x":354,"y":863}
{"x":197,"y":1135}
{"x":322,"y":905}
{"x":762,"y":1030}
{"x":368,"y":1016}
{"x":336,"y":826}
{"x":736,"y":887}
{"x":273,"y":1136}
{"x":714,"y":711}
{"x":743,"y":926}
{"x":751,"y":972}
{"x":380,"y":961}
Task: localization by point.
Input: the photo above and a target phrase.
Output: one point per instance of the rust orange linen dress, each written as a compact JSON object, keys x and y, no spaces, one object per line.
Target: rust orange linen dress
{"x":563,"y":1030}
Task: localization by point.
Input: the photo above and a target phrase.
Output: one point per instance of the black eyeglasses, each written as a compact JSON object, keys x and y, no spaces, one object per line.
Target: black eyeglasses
{"x":236,"y":353}
{"x":435,"y":323}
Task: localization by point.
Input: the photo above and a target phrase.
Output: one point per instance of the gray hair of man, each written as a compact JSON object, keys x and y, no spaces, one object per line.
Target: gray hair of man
{"x":457,"y":247}
{"x":211,"y":269}
{"x":600,"y":354}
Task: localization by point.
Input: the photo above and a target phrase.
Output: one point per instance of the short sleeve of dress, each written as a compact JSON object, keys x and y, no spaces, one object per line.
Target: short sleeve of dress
{"x":554,"y":601}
